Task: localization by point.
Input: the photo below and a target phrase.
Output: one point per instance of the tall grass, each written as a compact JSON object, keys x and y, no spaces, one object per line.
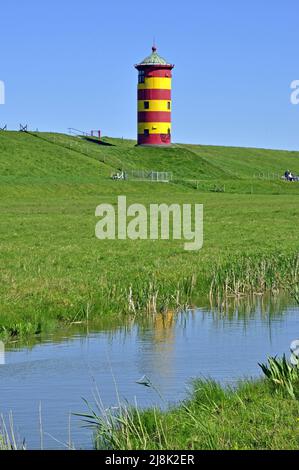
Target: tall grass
{"x":256,"y":274}
{"x":237,"y":277}
{"x":234,"y":278}
{"x":8,"y":438}
{"x":213,"y":284}
{"x":121,"y":426}
{"x":249,"y":416}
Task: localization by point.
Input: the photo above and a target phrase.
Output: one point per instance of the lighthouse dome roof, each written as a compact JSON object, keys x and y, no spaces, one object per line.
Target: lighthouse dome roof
{"x":154,"y":59}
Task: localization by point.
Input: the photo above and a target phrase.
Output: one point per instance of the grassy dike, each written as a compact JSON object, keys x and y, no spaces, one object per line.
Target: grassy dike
{"x":249,"y":417}
{"x":53,"y":270}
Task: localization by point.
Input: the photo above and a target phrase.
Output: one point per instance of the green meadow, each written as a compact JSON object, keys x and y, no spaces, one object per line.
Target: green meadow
{"x":54,"y":270}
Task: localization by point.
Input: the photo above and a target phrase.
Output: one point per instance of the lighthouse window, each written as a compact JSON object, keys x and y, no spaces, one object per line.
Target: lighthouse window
{"x":146,"y":104}
{"x":146,"y":131}
{"x":141,"y":76}
{"x":168,"y":105}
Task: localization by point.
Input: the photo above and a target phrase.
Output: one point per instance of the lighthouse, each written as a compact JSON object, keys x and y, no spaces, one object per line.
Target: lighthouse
{"x":154,"y":100}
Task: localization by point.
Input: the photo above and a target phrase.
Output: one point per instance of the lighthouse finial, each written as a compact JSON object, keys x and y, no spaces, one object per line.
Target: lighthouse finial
{"x":154,"y":48}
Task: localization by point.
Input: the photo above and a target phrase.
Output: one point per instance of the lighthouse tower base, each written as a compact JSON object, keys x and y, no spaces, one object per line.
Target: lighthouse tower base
{"x":154,"y":140}
{"x":155,"y":145}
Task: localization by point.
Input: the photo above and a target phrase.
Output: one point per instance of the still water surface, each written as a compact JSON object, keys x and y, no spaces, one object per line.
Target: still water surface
{"x":56,"y":372}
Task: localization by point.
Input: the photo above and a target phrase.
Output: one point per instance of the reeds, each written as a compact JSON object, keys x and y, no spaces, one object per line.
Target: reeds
{"x":282,"y":374}
{"x":152,"y":292}
{"x":8,"y":439}
{"x":256,"y":274}
{"x":123,"y":426}
{"x":235,"y":278}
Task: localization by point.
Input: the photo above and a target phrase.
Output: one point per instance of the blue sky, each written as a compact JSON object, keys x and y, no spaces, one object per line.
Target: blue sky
{"x":69,"y":63}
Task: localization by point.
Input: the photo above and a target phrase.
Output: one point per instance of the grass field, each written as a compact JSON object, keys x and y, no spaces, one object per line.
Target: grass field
{"x":249,"y":417}
{"x":54,"y":269}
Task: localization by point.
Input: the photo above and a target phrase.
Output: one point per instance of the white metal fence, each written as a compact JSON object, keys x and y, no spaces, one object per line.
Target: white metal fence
{"x":145,"y":175}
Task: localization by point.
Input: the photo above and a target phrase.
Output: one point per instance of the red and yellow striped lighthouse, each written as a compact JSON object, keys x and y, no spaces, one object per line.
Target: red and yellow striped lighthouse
{"x":154,"y":100}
